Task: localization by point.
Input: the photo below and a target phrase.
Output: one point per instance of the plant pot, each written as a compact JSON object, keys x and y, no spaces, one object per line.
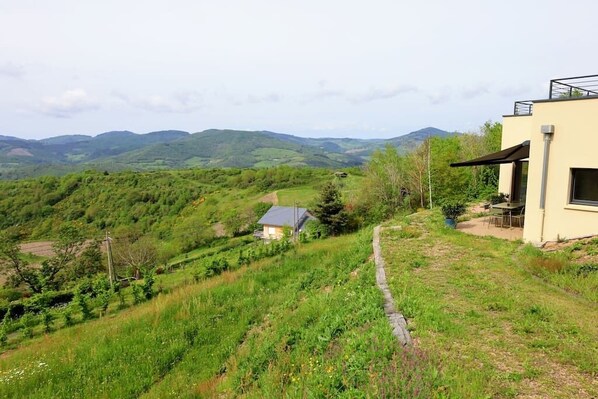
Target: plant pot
{"x":450,"y":223}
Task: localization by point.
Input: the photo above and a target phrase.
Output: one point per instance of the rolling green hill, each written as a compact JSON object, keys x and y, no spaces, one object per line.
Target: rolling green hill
{"x":122,"y":150}
{"x":232,"y":148}
{"x":63,"y":154}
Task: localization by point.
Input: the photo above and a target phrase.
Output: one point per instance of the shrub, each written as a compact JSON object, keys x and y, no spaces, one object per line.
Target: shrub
{"x":121,"y":299}
{"x":137,"y":293}
{"x":48,"y":320}
{"x":453,"y":209}
{"x":27,"y":324}
{"x":105,"y":300}
{"x":148,"y":283}
{"x":81,"y":300}
{"x":10,"y":294}
{"x":68,"y":317}
{"x":39,"y":302}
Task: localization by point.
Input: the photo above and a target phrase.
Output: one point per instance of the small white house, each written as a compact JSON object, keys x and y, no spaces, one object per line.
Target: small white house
{"x":278,"y":217}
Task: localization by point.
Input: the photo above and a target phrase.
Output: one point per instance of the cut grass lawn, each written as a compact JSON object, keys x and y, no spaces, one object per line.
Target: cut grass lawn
{"x":305,"y":324}
{"x":492,"y":327}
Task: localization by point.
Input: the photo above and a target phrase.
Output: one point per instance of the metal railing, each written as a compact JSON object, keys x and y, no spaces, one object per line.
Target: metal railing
{"x":523,"y":108}
{"x":579,"y":86}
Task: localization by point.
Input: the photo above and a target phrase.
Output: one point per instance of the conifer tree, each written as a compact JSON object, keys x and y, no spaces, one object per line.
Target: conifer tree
{"x":330,"y":209}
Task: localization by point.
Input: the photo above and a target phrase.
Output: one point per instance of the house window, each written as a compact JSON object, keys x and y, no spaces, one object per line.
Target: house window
{"x":584,"y":186}
{"x":271,"y":231}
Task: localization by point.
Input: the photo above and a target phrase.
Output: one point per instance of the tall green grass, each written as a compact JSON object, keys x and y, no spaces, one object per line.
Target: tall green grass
{"x":310,"y":323}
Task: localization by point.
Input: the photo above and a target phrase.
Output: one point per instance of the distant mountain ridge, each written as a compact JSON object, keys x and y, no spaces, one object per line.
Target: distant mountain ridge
{"x":166,"y":149}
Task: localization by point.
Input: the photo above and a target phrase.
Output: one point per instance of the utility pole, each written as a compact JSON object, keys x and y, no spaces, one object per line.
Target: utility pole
{"x":111,"y":273}
{"x":429,"y":169}
{"x":294,"y":221}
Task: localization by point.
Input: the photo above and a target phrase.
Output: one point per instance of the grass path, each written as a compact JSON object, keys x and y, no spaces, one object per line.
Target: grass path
{"x":492,"y":328}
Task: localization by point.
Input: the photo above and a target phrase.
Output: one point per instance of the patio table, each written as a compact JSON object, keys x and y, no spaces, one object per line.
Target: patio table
{"x":509,"y":207}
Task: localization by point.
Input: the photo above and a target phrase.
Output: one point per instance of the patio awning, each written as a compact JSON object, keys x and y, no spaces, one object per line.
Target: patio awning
{"x":508,"y":155}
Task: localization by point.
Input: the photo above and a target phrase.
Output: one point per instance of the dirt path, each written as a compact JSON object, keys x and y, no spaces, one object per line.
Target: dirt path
{"x":271,"y":198}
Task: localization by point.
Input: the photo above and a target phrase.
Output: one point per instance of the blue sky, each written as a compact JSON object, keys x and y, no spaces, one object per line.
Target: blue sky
{"x":309,"y":68}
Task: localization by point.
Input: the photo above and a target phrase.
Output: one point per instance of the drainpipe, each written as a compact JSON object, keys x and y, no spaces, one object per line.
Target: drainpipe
{"x":548,"y":131}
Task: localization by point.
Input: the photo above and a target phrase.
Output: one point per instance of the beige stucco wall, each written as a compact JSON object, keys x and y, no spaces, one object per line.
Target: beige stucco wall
{"x":574,"y":145}
{"x":516,"y":130}
{"x":278,"y":232}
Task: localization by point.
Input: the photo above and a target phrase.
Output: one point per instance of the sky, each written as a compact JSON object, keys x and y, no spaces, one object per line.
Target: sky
{"x":374,"y":69}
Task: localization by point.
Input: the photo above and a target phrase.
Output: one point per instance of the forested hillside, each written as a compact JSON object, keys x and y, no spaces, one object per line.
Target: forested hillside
{"x":158,"y":203}
{"x":172,"y":149}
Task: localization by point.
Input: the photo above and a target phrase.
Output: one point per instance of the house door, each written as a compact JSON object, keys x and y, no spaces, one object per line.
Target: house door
{"x":519,"y":182}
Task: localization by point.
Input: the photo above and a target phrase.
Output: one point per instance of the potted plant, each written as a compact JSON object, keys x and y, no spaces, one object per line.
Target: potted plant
{"x":498,"y":198}
{"x":451,"y":211}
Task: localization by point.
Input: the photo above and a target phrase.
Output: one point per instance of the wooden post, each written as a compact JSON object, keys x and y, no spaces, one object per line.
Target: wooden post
{"x":111,"y":273}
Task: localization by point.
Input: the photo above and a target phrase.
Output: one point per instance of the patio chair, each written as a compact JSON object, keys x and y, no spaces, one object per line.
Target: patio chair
{"x":519,"y":220}
{"x":495,"y":216}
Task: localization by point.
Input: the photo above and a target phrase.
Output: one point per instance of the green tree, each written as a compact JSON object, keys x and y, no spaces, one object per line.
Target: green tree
{"x":193,"y":232}
{"x":69,"y":244}
{"x":136,"y":258}
{"x":89,"y":263}
{"x":15,"y":267}
{"x":386,"y":184}
{"x":330,"y":210}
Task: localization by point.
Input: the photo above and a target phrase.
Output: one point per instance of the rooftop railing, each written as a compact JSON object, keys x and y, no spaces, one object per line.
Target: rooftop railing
{"x":579,"y":86}
{"x":523,"y":108}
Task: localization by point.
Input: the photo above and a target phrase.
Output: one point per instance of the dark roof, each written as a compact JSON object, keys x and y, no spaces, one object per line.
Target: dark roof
{"x":508,"y":155}
{"x":283,"y":216}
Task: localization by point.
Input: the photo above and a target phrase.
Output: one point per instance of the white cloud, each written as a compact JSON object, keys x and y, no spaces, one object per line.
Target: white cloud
{"x":268,"y":98}
{"x":439,"y":96}
{"x":474,"y":91}
{"x":68,"y":103}
{"x":514,"y":91}
{"x":11,"y":70}
{"x":179,"y":102}
{"x":376,"y":93}
{"x":357,"y":97}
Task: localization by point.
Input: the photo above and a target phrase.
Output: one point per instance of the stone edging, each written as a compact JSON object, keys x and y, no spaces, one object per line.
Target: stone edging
{"x":396,"y":319}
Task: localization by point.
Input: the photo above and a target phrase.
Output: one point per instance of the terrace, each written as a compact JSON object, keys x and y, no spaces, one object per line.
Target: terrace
{"x":478,"y":225}
{"x":481,"y":227}
{"x":562,"y":89}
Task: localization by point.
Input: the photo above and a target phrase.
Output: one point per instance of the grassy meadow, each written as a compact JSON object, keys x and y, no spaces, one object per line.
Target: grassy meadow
{"x":308,"y":323}
{"x":491,"y":326}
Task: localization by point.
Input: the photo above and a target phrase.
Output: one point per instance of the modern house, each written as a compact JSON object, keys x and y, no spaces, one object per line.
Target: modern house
{"x":279,"y":217}
{"x":549,"y":160}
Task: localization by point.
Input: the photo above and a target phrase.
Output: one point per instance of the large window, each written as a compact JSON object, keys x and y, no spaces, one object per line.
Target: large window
{"x":584,"y":186}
